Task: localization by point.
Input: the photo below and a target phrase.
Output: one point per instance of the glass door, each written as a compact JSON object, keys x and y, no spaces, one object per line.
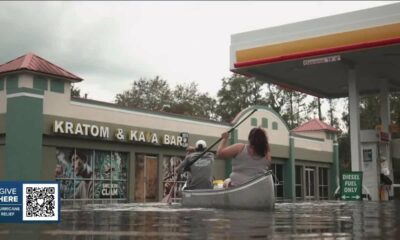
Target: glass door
{"x":309,"y":183}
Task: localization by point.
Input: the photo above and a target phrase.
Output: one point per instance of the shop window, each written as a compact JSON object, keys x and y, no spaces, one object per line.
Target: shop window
{"x":264,"y":122}
{"x":274,"y":125}
{"x":170,"y":163}
{"x":277,"y":170}
{"x":396,"y":171}
{"x":310,"y":183}
{"x":323,"y":183}
{"x":110,"y":175}
{"x":90,"y":174}
{"x":298,"y":183}
{"x":253,"y":122}
{"x":57,"y":86}
{"x":40,"y":83}
{"x":12,"y":82}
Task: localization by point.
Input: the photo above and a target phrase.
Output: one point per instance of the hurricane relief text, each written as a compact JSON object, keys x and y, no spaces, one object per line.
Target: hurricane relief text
{"x":8,"y":195}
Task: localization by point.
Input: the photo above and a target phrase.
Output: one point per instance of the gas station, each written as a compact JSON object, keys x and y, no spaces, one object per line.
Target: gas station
{"x":345,"y":55}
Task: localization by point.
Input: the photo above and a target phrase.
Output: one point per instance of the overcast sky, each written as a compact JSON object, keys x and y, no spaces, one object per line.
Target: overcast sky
{"x":112,"y":44}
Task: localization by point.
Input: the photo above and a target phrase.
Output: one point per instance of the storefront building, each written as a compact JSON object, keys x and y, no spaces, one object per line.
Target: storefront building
{"x":100,"y":151}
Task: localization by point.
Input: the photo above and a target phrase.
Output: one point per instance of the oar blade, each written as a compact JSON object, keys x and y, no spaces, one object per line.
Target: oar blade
{"x":168,"y":198}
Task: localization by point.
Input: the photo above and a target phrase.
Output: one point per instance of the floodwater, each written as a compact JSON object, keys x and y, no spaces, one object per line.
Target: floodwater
{"x":303,"y":220}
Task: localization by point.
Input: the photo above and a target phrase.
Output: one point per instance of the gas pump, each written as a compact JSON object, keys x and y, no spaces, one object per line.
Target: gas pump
{"x":377,"y":167}
{"x":385,"y":166}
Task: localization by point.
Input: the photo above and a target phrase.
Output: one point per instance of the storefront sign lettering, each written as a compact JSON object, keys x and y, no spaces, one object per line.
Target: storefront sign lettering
{"x":151,"y":137}
{"x":328,"y":59}
{"x":80,"y":129}
{"x":120,"y":134}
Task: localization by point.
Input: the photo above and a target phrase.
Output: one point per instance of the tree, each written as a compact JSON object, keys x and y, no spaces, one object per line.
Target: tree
{"x":344,"y":152}
{"x":75,"y":92}
{"x":295,"y":110}
{"x":395,"y":107}
{"x":333,"y":121}
{"x":237,"y":93}
{"x":369,"y":111}
{"x":151,"y":94}
{"x":155,"y":95}
{"x":188,"y":100}
{"x":275,"y":97}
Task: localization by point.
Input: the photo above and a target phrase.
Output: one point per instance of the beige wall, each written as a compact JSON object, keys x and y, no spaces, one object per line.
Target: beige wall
{"x":313,"y":156}
{"x":313,"y":145}
{"x":25,"y":80}
{"x":59,"y":105}
{"x":276,"y":137}
{"x":313,"y":134}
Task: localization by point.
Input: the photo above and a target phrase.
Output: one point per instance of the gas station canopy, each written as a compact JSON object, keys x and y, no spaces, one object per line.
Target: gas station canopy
{"x":314,"y":56}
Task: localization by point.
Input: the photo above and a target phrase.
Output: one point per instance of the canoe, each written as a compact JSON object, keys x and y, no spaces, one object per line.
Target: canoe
{"x":255,"y":194}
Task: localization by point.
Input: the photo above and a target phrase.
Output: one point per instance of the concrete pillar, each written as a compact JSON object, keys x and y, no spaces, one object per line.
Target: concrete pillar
{"x":334,"y":181}
{"x":384,"y":148}
{"x":290,"y":169}
{"x":385,"y":105}
{"x":354,"y":112}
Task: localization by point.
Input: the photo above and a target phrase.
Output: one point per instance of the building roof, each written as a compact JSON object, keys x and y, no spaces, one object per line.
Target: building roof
{"x":315,"y":125}
{"x":315,"y":56}
{"x":32,"y":62}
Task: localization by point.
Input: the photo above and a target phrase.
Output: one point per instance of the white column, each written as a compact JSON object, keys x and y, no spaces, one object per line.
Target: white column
{"x":385,"y":158}
{"x":385,"y":105}
{"x":354,"y":112}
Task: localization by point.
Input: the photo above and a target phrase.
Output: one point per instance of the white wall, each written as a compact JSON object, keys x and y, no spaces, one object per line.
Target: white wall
{"x":25,"y":80}
{"x":313,"y":134}
{"x":315,"y":145}
{"x":280,"y":136}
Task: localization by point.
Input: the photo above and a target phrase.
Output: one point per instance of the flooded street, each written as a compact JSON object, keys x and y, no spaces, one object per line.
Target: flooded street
{"x":306,"y":220}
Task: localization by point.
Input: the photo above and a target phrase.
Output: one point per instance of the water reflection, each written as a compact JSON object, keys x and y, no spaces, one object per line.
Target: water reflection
{"x":307,"y":220}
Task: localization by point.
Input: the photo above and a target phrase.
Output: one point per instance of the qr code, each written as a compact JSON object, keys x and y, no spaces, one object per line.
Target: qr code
{"x":40,"y":202}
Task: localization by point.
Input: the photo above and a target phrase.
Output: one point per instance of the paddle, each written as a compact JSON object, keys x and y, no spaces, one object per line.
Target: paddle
{"x":219,"y":140}
{"x":167,"y":198}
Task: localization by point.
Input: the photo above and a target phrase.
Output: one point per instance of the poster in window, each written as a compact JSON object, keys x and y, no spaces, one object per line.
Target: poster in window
{"x":64,"y":166}
{"x":103,"y":165}
{"x":170,"y":164}
{"x":75,"y":173}
{"x":109,"y":189}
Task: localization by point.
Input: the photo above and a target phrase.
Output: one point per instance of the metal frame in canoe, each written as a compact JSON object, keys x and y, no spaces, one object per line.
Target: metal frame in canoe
{"x":255,"y":194}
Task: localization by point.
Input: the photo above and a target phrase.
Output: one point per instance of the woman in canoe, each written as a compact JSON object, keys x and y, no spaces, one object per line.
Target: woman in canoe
{"x":248,"y":160}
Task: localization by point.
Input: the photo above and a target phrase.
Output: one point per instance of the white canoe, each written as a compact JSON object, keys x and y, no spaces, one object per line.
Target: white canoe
{"x":256,"y":194}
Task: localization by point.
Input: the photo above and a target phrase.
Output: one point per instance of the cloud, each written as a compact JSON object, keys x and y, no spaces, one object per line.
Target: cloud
{"x":111,"y":44}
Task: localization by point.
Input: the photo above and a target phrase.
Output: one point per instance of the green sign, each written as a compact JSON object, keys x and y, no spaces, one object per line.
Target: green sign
{"x":351,"y":186}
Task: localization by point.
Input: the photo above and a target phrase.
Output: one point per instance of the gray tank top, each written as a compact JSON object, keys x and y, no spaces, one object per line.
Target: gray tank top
{"x":246,"y":167}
